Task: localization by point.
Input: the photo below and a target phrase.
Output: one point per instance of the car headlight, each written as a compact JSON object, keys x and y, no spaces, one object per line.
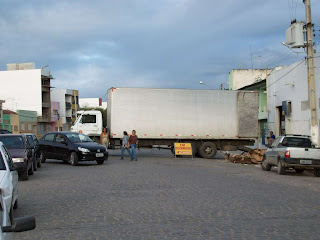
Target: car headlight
{"x":84,"y":150}
{"x":18,"y":160}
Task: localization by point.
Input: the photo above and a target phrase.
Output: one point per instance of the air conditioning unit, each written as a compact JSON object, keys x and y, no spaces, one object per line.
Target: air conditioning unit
{"x":295,"y":35}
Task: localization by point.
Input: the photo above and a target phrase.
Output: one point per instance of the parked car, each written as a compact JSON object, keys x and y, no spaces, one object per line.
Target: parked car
{"x":34,"y":143}
{"x":8,"y":224}
{"x":21,"y":153}
{"x":71,"y":147}
{"x":4,"y":131}
{"x":292,"y":151}
{"x":8,"y":180}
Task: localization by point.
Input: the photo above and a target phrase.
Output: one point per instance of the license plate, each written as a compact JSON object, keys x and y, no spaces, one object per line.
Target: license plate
{"x":99,"y":154}
{"x":306,"y":161}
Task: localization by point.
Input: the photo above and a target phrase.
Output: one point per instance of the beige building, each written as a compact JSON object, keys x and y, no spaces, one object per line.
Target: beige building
{"x":239,"y":78}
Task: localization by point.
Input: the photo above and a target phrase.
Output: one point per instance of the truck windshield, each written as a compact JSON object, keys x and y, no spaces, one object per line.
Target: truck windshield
{"x":296,"y":142}
{"x":13,"y":142}
{"x":78,"y":137}
{"x":88,"y":118}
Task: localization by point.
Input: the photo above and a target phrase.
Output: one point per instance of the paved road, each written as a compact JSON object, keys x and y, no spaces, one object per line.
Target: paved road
{"x":159,"y":197}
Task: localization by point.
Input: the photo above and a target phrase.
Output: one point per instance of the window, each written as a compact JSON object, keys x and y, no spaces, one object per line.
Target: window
{"x":60,"y":138}
{"x":49,"y":137}
{"x":30,"y":141}
{"x":88,"y":118}
{"x":22,"y":126}
{"x":296,"y":142}
{"x":29,"y":126}
{"x":16,"y":128}
{"x":275,"y":143}
{"x":13,"y":142}
{"x":6,"y":157}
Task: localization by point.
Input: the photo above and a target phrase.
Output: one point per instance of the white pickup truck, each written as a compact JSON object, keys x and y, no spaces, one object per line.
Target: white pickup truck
{"x":292,"y":151}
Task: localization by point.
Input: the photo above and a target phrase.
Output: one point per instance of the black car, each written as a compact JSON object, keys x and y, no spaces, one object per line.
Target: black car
{"x":71,"y":147}
{"x":21,"y":153}
{"x":4,"y":131}
{"x":33,"y":142}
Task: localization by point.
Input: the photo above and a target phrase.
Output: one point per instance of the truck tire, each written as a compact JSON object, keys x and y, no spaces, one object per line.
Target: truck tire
{"x":281,"y":169}
{"x":73,"y":159}
{"x":264,"y":165}
{"x":316,"y":172}
{"x":208,"y":150}
{"x":24,"y":176}
{"x":299,"y":170}
{"x":43,"y":156}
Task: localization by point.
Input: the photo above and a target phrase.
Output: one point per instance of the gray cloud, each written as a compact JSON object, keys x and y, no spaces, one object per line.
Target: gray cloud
{"x":94,"y":45}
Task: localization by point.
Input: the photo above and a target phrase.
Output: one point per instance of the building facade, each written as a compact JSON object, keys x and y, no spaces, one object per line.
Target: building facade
{"x":29,"y":123}
{"x":239,"y":78}
{"x":27,"y":88}
{"x":288,"y":103}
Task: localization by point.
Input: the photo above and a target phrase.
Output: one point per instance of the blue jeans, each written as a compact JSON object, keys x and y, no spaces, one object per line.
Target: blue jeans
{"x":123,"y":149}
{"x":133,"y":151}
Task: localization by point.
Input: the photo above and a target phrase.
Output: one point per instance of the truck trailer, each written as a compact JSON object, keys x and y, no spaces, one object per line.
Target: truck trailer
{"x":210,"y":120}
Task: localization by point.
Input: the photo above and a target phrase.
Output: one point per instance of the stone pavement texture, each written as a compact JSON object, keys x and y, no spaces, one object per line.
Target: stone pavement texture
{"x":159,"y":197}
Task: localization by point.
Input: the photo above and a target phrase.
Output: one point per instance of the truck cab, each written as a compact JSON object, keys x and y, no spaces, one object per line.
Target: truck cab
{"x":88,"y":122}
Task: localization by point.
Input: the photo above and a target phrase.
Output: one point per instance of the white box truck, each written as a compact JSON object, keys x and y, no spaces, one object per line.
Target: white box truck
{"x":209,"y":119}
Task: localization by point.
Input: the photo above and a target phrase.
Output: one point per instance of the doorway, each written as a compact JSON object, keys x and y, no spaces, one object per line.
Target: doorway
{"x":280,"y":122}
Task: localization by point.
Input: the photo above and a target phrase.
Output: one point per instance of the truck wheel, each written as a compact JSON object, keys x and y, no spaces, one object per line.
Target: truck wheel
{"x":264,"y":165}
{"x":43,"y":156}
{"x":73,"y":159}
{"x":99,"y":162}
{"x":208,"y":150}
{"x":299,"y":170}
{"x":24,"y":176}
{"x":30,"y":171}
{"x":316,"y":172}
{"x":281,"y":169}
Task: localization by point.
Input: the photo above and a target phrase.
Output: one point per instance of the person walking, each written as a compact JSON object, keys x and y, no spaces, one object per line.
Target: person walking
{"x":125,"y":141}
{"x":133,"y":142}
{"x":104,"y":138}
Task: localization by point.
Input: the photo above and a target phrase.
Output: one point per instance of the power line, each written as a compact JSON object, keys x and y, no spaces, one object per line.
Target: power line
{"x":286,"y":74}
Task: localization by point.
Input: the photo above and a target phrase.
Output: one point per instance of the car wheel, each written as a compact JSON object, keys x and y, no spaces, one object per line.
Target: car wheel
{"x":281,"y":169}
{"x":42,"y":156}
{"x":35,"y":166}
{"x":24,"y":176}
{"x":15,"y":206}
{"x":299,"y":170}
{"x":208,"y":150}
{"x":264,"y":165}
{"x":39,"y":163}
{"x":316,"y":172}
{"x":30,"y":171}
{"x":73,"y":159}
{"x":99,"y":162}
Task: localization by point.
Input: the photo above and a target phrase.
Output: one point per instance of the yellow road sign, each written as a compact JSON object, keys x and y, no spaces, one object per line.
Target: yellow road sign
{"x":183,"y":149}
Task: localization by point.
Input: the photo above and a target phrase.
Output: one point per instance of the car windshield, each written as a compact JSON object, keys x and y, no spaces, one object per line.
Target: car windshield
{"x":78,"y":137}
{"x":296,"y":142}
{"x":13,"y":142}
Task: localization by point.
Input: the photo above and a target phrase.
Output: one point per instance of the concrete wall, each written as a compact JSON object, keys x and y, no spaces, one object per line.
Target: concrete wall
{"x":239,"y":78}
{"x":291,"y":84}
{"x":15,"y":123}
{"x":22,"y":90}
{"x":59,"y":95}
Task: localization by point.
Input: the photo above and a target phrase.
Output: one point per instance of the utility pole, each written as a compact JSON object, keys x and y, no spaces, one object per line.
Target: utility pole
{"x":311,"y":79}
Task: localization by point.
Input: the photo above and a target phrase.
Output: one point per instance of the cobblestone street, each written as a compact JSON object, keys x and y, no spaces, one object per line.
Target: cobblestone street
{"x":159,"y":197}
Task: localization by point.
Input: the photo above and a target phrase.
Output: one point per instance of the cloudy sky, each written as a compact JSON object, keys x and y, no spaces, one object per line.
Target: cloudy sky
{"x":94,"y":45}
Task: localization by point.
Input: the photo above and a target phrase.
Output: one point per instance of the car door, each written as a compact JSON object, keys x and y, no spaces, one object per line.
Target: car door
{"x":48,"y":145}
{"x":11,"y":179}
{"x":32,"y":146}
{"x":273,"y":154}
{"x":61,"y":145}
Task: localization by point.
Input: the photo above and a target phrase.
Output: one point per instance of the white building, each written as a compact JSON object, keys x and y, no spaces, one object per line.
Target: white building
{"x":288,"y":105}
{"x":27,"y":88}
{"x":65,"y":99}
{"x":92,"y":103}
{"x":239,"y":78}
